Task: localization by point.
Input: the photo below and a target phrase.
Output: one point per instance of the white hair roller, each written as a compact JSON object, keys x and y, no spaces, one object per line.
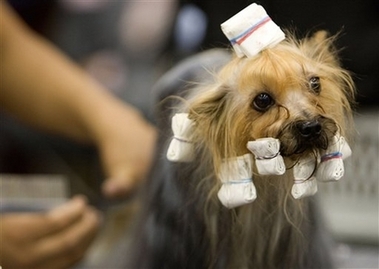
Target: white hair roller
{"x":305,"y":188}
{"x":267,"y":156}
{"x":237,"y":184}
{"x":305,"y":183}
{"x":181,"y":148}
{"x":252,"y":30}
{"x":331,"y":167}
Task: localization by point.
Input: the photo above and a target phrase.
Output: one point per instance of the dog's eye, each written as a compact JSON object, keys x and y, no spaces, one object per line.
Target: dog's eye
{"x":315,"y":85}
{"x":262,"y":102}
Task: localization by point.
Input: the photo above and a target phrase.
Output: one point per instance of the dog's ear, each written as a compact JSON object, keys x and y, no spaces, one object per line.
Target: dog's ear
{"x":215,"y":127}
{"x":319,"y":36}
{"x":320,"y":47}
{"x":208,"y":106}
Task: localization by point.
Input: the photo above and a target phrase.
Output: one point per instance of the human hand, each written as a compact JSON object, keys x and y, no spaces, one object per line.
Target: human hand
{"x":56,"y":239}
{"x":126,"y":152}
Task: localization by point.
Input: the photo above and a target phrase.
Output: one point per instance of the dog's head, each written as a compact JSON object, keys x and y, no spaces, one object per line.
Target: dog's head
{"x":296,"y":92}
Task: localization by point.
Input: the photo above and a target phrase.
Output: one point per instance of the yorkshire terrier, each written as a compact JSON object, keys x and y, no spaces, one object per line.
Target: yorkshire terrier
{"x":296,"y":93}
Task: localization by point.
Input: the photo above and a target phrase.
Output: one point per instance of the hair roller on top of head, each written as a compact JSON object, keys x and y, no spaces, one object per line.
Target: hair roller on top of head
{"x":252,"y":30}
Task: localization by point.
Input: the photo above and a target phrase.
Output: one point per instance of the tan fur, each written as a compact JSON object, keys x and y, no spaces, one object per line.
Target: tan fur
{"x":225,"y":121}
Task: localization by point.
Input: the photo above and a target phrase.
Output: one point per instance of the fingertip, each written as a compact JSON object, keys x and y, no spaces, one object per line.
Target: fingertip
{"x":79,"y":198}
{"x":114,"y":189}
{"x":75,"y":206}
{"x":97,"y":216}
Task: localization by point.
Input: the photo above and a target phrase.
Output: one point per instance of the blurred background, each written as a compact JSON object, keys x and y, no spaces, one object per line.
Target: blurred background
{"x":128,"y":45}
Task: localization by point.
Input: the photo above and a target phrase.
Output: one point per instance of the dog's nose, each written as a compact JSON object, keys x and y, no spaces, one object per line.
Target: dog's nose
{"x":309,"y":129}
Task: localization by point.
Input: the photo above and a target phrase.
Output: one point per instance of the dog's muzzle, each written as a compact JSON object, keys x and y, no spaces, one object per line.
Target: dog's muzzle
{"x":307,"y":135}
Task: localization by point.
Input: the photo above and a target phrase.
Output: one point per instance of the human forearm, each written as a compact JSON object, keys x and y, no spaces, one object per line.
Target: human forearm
{"x":44,"y":88}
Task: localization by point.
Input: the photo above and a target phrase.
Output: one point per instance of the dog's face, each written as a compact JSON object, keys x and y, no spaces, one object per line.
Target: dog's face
{"x":296,"y":92}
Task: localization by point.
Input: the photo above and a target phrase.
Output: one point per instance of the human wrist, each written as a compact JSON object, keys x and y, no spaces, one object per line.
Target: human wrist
{"x":109,"y":117}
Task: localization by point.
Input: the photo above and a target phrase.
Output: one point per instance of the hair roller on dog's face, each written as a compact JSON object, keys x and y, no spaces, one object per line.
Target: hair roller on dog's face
{"x":237,"y":183}
{"x":181,"y":147}
{"x":305,"y":183}
{"x":331,"y":165}
{"x":267,"y":156}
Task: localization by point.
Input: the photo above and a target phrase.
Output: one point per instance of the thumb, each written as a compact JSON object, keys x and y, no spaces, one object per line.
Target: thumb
{"x":120,"y":185}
